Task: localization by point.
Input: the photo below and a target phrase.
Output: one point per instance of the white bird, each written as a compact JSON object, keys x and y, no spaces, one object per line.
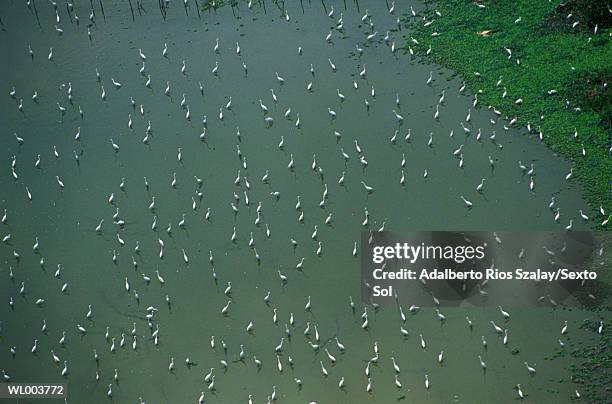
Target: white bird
{"x":59,"y":182}
{"x":395,"y":365}
{"x":368,"y":188}
{"x":480,"y":186}
{"x":332,"y":65}
{"x":357,"y":147}
{"x":263,"y":107}
{"x":564,"y":329}
{"x":280,"y":80}
{"x":467,"y":203}
{"x":530,"y":369}
{"x":498,"y":329}
{"x":483,"y":365}
{"x":56,"y":359}
{"x":399,"y":117}
{"x":159,"y":277}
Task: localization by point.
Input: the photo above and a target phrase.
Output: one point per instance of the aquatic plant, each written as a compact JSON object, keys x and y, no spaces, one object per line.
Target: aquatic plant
{"x":559,"y":71}
{"x":212,"y":5}
{"x":594,"y":363}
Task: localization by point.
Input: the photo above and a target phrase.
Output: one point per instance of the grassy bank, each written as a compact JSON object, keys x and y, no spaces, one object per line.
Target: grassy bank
{"x":554,"y":54}
{"x":558,"y":69}
{"x":592,"y":372}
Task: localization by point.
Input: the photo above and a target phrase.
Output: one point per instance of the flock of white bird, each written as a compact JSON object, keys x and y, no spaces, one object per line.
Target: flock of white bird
{"x":327,"y":348}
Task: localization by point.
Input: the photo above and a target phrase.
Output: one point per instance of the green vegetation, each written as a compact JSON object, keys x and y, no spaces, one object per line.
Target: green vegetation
{"x":594,"y":362}
{"x":554,"y":55}
{"x":549,"y":52}
{"x":213,"y":4}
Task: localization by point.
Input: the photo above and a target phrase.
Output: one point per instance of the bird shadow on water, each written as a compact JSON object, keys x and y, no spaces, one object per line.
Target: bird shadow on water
{"x":110,"y":302}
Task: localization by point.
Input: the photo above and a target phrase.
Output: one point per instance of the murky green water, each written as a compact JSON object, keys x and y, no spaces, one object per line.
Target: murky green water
{"x":65,"y":220}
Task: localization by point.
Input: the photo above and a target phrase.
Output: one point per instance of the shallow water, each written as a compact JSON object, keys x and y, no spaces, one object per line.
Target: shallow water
{"x":64,"y":220}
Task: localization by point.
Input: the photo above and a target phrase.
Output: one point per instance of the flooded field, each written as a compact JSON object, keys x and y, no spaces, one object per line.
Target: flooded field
{"x":186,"y":194}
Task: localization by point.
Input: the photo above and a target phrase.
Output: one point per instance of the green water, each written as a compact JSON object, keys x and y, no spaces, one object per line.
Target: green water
{"x":65,"y":220}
